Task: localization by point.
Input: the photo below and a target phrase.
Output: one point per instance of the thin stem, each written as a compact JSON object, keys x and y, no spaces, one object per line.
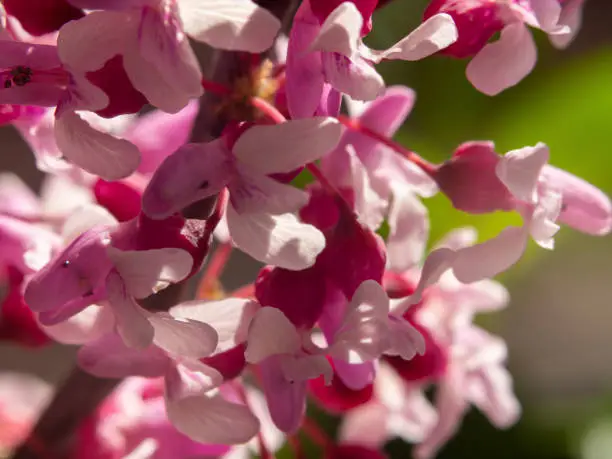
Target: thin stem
{"x":411,"y":156}
{"x":296,"y":447}
{"x":316,"y":434}
{"x":215,"y":268}
{"x":267,"y":109}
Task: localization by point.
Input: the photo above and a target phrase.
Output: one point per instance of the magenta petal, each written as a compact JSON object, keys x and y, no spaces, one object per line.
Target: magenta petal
{"x":40,"y":17}
{"x":355,"y":376}
{"x":14,"y":53}
{"x":286,"y":401}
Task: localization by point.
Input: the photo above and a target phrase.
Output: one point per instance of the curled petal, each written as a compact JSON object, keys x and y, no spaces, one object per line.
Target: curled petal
{"x":520,"y":170}
{"x":341,"y":31}
{"x":263,"y":344}
{"x":183,"y":337}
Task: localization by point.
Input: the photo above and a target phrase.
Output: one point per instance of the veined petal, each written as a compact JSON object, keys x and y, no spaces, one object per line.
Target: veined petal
{"x":280,"y":240}
{"x":408,"y":231}
{"x":230,"y":318}
{"x":96,"y":152}
{"x":353,"y":76}
{"x":254,"y":193}
{"x":303,"y":368}
{"x":505,"y":62}
{"x":287,"y":146}
{"x":147,"y":271}
{"x":520,"y":170}
{"x":132,"y":323}
{"x":192,"y":173}
{"x":262,"y":344}
{"x":109,"y":357}
{"x":190,"y":379}
{"x":183,"y":337}
{"x":86,"y":326}
{"x":433,"y":35}
{"x":231,"y":25}
{"x":341,"y":31}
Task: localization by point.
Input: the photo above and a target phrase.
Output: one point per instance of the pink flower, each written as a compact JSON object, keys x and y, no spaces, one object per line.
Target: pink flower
{"x":259,"y":215}
{"x":331,"y":55}
{"x":477,"y":179}
{"x":39,"y":17}
{"x":503,"y":63}
{"x":150,"y":36}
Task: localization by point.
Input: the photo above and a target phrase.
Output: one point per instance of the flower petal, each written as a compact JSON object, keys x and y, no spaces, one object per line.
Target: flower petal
{"x":96,"y":152}
{"x":85,"y":218}
{"x":408,"y":231}
{"x":340,"y":32}
{"x":520,"y":170}
{"x":303,"y":368}
{"x":353,"y":76}
{"x":285,"y":147}
{"x":231,"y":25}
{"x":189,"y":379}
{"x":147,"y":271}
{"x":505,"y":62}
{"x":183,"y":337}
{"x":263,"y":344}
{"x":280,"y":240}
{"x":86,"y":326}
{"x":109,"y":357}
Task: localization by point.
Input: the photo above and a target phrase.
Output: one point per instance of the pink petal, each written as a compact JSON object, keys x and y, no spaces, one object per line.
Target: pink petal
{"x":226,"y":24}
{"x":86,"y":44}
{"x":369,"y":206}
{"x":96,"y":152}
{"x":132,"y":322}
{"x":263,"y":344}
{"x":504,"y":63}
{"x":37,"y":57}
{"x":287,"y":146}
{"x":354,"y":76}
{"x":542,"y":226}
{"x":230,"y":318}
{"x":158,"y":134}
{"x":286,"y":401}
{"x":16,"y":198}
{"x":163,"y":45}
{"x":585,"y":207}
{"x":364,"y":333}
{"x":213,"y":420}
{"x":408,"y":231}
{"x":571,"y":16}
{"x":458,"y":238}
{"x":406,"y":340}
{"x":436,"y":33}
{"x":340,"y":32}
{"x":189,"y":379}
{"x":279,"y":240}
{"x":183,"y":337}
{"x":254,"y":193}
{"x":520,"y":170}
{"x":109,"y":357}
{"x":86,"y":326}
{"x":491,"y":257}
{"x":192,"y":173}
{"x":85,"y":218}
{"x":147,"y":271}
{"x":365,"y":425}
{"x":305,"y":82}
{"x":303,"y":368}
{"x":355,"y":376}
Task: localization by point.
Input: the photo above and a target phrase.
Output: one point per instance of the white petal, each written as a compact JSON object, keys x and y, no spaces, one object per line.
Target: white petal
{"x":262,"y":343}
{"x":520,"y":170}
{"x":505,"y":62}
{"x":96,"y":152}
{"x":287,"y":146}
{"x":190,"y":379}
{"x":370,"y":207}
{"x":228,"y":24}
{"x":85,"y":218}
{"x":408,"y":231}
{"x":88,"y":325}
{"x":353,"y":76}
{"x":436,"y":33}
{"x":147,"y":271}
{"x":280,"y":240}
{"x":341,"y":31}
{"x":183,"y":337}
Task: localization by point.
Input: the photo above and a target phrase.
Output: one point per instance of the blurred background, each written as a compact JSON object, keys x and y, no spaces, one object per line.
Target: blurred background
{"x":559,"y":323}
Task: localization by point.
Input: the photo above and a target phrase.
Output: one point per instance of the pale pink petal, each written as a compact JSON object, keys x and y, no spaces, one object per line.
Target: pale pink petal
{"x":504,"y":63}
{"x":109,"y":357}
{"x":183,"y":337}
{"x":147,"y":271}
{"x":87,"y":44}
{"x":542,"y":226}
{"x":263,"y":344}
{"x":405,"y":340}
{"x":355,"y":376}
{"x":547,"y":13}
{"x":231,"y":25}
{"x":24,"y":395}
{"x":280,"y":240}
{"x":287,"y":146}
{"x":132,"y":322}
{"x":520,"y":170}
{"x":340,"y":32}
{"x":459,"y":238}
{"x":162,"y":44}
{"x":14,"y":53}
{"x":491,"y":257}
{"x":353,"y":76}
{"x":61,"y":195}
{"x":408,"y":231}
{"x":85,"y":218}
{"x":213,"y":420}
{"x":192,"y":173}
{"x":303,"y":368}
{"x":286,"y":401}
{"x":393,"y":172}
{"x":256,"y":193}
{"x":96,"y":152}
{"x":189,"y":379}
{"x":433,"y":35}
{"x":585,"y":207}
{"x":230,"y":318}
{"x":364,"y":333}
{"x":16,"y":198}
{"x":86,"y":326}
{"x":571,"y":16}
{"x":491,"y":391}
{"x":365,"y":425}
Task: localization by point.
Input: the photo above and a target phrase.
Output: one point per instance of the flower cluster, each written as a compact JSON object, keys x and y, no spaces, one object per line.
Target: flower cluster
{"x":107,"y":93}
